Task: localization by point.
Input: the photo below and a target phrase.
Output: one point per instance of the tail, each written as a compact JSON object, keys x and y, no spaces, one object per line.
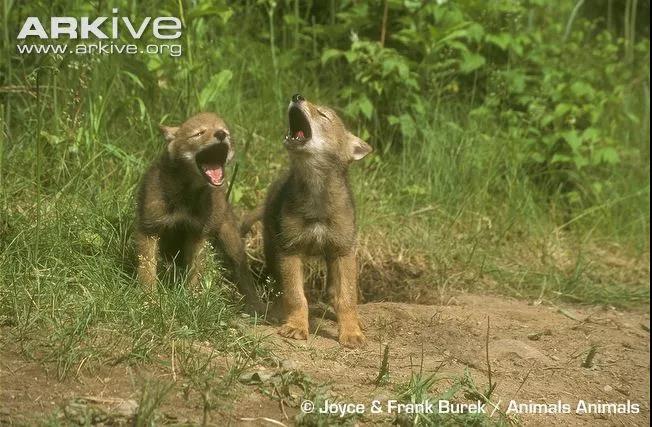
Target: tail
{"x":250,"y":218}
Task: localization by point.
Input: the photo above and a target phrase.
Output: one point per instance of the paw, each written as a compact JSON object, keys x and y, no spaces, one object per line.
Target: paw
{"x":297,"y":332}
{"x":352,"y":337}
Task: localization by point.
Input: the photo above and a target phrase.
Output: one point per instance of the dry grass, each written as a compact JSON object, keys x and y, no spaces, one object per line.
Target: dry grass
{"x":555,"y":268}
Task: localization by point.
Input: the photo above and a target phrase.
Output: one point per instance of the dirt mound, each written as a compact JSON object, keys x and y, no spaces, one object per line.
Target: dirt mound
{"x":536,"y":354}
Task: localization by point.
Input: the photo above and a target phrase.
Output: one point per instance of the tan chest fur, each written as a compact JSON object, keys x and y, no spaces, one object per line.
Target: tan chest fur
{"x":328,"y":229}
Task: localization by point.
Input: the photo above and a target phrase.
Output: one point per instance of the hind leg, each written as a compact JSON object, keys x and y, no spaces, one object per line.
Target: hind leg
{"x":273,"y":290}
{"x":229,"y":239}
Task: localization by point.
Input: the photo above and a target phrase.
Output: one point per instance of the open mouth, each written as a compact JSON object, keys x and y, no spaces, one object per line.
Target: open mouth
{"x":211,"y":161}
{"x":299,"y":131}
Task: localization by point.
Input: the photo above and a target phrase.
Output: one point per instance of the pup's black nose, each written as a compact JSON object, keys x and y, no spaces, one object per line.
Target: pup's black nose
{"x":297,"y":97}
{"x":220,"y":134}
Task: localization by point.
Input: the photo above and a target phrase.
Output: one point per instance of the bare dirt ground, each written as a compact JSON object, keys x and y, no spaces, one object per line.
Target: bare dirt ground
{"x":536,"y":353}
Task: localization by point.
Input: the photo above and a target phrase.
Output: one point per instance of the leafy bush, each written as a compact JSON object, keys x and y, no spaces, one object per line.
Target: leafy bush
{"x":564,"y":105}
{"x":559,"y":97}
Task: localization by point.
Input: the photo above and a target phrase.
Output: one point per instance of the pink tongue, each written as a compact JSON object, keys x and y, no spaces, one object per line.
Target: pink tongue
{"x":214,"y":174}
{"x":298,"y":134}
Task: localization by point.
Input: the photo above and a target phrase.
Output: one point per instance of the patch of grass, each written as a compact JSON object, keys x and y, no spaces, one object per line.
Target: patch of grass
{"x":318,"y":394}
{"x":84,"y":411}
{"x":383,"y":371}
{"x":461,"y":390}
{"x":447,"y":407}
{"x":292,"y":389}
{"x":151,"y":398}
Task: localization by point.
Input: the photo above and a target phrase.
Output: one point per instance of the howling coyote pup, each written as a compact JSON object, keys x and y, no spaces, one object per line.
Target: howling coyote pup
{"x":182,"y":205}
{"x":310,"y":212}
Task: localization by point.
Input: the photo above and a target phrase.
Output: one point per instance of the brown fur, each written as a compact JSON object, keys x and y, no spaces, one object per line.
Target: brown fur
{"x":179,"y":209}
{"x":310,"y":212}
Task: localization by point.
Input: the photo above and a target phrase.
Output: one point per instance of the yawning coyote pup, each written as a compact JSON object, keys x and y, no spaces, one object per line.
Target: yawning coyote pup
{"x":182,"y":205}
{"x":310,"y":212}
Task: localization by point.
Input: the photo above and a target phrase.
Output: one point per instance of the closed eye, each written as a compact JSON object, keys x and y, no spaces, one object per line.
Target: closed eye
{"x":324,"y":115}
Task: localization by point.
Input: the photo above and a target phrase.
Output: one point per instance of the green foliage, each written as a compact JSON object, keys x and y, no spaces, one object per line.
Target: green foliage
{"x":561,"y":105}
{"x":435,"y":387}
{"x":564,"y":107}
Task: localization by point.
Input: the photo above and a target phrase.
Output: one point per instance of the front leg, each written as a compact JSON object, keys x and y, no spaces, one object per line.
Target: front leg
{"x":147,"y":252}
{"x":343,"y":285}
{"x":295,"y":305}
{"x":231,"y":243}
{"x":193,"y":258}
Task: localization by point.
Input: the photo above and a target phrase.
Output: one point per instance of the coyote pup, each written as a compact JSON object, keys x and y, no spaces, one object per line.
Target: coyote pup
{"x":310,"y":212}
{"x":182,"y":205}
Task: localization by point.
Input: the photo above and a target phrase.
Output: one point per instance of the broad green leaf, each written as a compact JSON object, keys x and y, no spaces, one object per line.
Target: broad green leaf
{"x":562,"y":109}
{"x":365,"y":106}
{"x":408,"y":127}
{"x":216,"y":84}
{"x":560,"y":158}
{"x":591,"y":134}
{"x":573,"y":140}
{"x":206,"y":10}
{"x":516,"y":81}
{"x":471,"y":62}
{"x":607,"y":155}
{"x":502,"y":40}
{"x":582,"y":89}
{"x":475,"y":32}
{"x":580,"y":161}
{"x":330,"y":54}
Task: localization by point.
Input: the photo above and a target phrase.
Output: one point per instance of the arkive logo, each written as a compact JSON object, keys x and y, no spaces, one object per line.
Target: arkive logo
{"x":103,"y":27}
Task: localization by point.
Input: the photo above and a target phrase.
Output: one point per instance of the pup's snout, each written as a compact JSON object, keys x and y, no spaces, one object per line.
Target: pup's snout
{"x":297,"y":97}
{"x":220,"y":135}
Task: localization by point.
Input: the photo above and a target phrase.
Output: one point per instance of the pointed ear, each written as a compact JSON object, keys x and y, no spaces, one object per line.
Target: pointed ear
{"x":168,"y":132}
{"x":359,"y":148}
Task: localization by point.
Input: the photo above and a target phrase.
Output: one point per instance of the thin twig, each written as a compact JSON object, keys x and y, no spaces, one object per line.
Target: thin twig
{"x":174,"y":372}
{"x":523,"y":382}
{"x":281,"y":400}
{"x":486,"y":348}
{"x":383,"y":28}
{"x":573,"y":14}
